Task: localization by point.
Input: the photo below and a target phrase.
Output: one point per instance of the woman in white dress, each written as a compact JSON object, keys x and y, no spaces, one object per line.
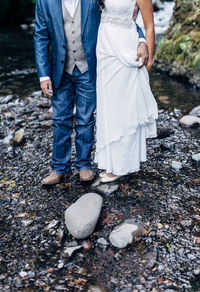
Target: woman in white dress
{"x":126,"y":108}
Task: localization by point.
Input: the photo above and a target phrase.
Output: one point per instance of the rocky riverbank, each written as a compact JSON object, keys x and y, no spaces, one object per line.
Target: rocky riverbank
{"x":36,"y":251}
{"x":178,"y":53}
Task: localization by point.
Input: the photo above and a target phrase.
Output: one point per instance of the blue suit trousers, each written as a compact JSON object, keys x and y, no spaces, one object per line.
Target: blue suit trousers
{"x":74,"y":89}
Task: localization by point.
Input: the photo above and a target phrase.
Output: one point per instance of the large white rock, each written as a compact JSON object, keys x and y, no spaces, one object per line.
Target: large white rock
{"x":123,"y":234}
{"x":196,"y":111}
{"x":189,"y":121}
{"x":82,"y":216}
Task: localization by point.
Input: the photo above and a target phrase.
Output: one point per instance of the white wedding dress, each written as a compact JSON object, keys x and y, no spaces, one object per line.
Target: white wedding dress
{"x":126,"y":108}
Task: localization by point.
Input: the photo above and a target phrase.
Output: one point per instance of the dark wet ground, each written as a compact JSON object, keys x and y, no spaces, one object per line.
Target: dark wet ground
{"x":167,"y":202}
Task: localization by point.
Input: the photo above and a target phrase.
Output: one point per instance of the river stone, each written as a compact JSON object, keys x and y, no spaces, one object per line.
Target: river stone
{"x":196,"y":158}
{"x":123,"y":234}
{"x":82,"y":216}
{"x":176,"y":165}
{"x":195,"y":111}
{"x":189,"y":121}
{"x":106,"y":189}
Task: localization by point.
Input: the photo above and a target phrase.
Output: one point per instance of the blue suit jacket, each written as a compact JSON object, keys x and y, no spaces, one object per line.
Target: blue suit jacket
{"x":49,"y":30}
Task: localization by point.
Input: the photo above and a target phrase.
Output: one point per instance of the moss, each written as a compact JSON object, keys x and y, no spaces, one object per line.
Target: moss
{"x":181,"y":44}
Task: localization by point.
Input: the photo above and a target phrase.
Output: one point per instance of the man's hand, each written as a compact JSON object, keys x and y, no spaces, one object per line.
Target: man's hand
{"x":142,"y":52}
{"x":149,"y":65}
{"x":47,"y":88}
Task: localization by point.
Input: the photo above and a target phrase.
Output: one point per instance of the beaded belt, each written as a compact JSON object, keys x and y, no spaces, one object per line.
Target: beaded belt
{"x":125,"y":22}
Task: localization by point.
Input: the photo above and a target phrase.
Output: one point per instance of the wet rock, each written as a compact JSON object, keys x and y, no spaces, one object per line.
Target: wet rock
{"x":189,"y":121}
{"x":82,"y":216}
{"x":124,"y":234}
{"x":195,"y":111}
{"x":164,"y":132}
{"x":19,"y":137}
{"x":176,"y":165}
{"x":167,"y":146}
{"x":106,"y":189}
{"x":196,"y":159}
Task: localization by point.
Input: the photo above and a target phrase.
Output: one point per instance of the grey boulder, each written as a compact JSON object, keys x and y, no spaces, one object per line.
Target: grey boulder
{"x":82,"y":216}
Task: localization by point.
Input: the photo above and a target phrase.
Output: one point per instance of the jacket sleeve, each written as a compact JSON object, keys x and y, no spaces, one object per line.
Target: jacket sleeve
{"x":140,"y":32}
{"x":41,"y":40}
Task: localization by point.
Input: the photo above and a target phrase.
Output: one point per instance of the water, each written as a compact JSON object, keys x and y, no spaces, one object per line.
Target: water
{"x":18,"y":74}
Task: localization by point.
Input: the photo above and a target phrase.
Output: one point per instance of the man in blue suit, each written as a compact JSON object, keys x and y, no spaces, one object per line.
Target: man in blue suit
{"x":67,"y":74}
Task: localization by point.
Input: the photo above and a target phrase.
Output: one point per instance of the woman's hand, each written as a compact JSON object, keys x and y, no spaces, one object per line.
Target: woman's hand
{"x":149,"y":66}
{"x":146,"y":9}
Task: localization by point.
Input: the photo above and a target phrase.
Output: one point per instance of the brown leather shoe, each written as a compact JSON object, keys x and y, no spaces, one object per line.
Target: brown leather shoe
{"x":55,"y":178}
{"x":86,"y":175}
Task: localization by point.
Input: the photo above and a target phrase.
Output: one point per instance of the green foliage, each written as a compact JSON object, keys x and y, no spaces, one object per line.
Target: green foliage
{"x":181,"y":43}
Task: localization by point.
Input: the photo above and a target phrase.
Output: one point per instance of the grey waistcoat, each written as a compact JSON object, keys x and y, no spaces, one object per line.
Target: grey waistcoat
{"x":74,"y":52}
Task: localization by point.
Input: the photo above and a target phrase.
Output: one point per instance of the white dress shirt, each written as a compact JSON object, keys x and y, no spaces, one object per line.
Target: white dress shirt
{"x":71,"y":6}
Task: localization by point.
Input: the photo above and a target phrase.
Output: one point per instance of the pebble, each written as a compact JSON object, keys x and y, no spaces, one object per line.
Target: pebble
{"x":27,"y":222}
{"x":18,"y":137}
{"x":51,"y":225}
{"x":191,"y":257}
{"x":70,"y":250}
{"x":176,"y":165}
{"x":102,"y":241}
{"x":189,"y":121}
{"x":196,"y":159}
{"x":196,"y":272}
{"x":159,"y":225}
{"x":60,"y":265}
{"x":114,"y":280}
{"x":123,"y":234}
{"x":87,"y":245}
{"x":23,"y":274}
{"x":167,"y":146}
{"x":195,"y":111}
{"x":82,"y":216}
{"x":186,"y":223}
{"x":31,"y":274}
